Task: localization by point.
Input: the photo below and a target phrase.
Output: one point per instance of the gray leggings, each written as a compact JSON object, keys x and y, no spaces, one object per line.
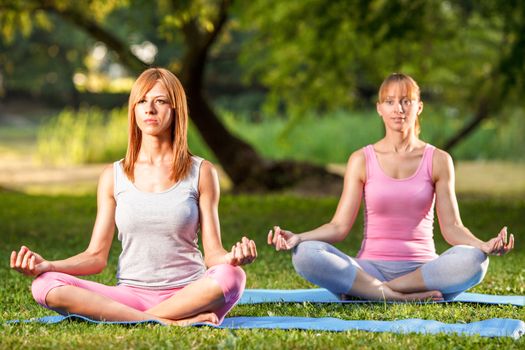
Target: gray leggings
{"x":456,"y":270}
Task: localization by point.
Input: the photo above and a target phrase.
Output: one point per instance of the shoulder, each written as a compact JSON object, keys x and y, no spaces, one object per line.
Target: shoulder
{"x":442,"y":164}
{"x":106,"y":180}
{"x":442,"y":158}
{"x":356,"y":164}
{"x":107,"y":173}
{"x":208,"y":177}
{"x":357,"y":156}
{"x":207,"y":169}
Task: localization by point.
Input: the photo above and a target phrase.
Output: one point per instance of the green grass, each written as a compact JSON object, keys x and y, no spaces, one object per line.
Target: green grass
{"x":61,"y":226}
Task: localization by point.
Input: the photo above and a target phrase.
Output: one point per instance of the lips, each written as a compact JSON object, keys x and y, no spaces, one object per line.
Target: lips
{"x":150,"y":121}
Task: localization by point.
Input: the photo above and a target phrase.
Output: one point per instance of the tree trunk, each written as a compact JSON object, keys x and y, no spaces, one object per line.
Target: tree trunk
{"x":246,"y":168}
{"x":481,"y":114}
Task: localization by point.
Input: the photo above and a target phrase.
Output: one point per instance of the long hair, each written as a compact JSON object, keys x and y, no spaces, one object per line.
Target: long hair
{"x":408,"y":84}
{"x":179,"y":127}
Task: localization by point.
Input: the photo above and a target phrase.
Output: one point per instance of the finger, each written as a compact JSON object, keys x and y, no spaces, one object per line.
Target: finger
{"x":493,"y":246}
{"x":510,"y":245}
{"x":269,"y":239}
{"x":280,"y":243}
{"x":498,"y":246}
{"x":253,"y":249}
{"x":12,"y":260}
{"x":245,"y":248}
{"x":234,"y":257}
{"x":239,"y":254}
{"x":277,"y":234}
{"x":288,"y":246}
{"x":504,"y":234}
{"x":32,"y":263}
{"x":20,"y":256}
{"x":25,"y":261}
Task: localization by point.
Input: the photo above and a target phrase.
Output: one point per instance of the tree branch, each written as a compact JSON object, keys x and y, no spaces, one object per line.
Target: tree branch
{"x":98,"y":32}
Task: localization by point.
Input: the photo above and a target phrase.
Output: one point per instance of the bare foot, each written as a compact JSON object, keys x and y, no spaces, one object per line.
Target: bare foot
{"x":432,"y":295}
{"x":389,"y":294}
{"x":207,"y":317}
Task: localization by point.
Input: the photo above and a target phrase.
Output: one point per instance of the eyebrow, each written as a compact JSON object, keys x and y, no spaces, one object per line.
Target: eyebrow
{"x":401,"y":97}
{"x":155,"y":96}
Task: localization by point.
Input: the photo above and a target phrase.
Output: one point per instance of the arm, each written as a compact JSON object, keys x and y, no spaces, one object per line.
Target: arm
{"x":448,"y":211}
{"x":337,"y":229}
{"x":94,"y":258}
{"x":243,"y":252}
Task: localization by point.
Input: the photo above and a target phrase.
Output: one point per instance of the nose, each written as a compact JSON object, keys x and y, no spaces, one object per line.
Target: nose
{"x":399,"y":108}
{"x":150,"y":108}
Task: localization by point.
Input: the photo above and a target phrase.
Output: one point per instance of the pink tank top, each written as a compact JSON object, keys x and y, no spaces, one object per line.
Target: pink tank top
{"x":399,"y":213}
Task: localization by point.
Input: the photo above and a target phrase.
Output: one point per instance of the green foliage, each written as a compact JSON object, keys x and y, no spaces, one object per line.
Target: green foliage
{"x":459,"y":52}
{"x":313,"y":55}
{"x":88,"y":135}
{"x":91,"y":136}
{"x":40,"y":223}
{"x":333,"y":137}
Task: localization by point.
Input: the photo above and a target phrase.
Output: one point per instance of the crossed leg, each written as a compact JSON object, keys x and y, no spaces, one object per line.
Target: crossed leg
{"x":326,"y":266}
{"x":76,"y":300}
{"x":454,"y":271}
{"x":205,"y":300}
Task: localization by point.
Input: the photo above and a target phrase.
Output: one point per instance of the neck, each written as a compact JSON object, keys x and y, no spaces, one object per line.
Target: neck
{"x":401,"y":142}
{"x":155,"y":150}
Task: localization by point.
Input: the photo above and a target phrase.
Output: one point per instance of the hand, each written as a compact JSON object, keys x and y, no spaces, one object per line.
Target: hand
{"x":499,"y":244}
{"x":29,"y":263}
{"x":242,"y":253}
{"x":282,"y":239}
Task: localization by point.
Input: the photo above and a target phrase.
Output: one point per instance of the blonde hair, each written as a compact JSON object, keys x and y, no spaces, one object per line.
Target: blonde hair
{"x":408,"y":84}
{"x":179,"y":127}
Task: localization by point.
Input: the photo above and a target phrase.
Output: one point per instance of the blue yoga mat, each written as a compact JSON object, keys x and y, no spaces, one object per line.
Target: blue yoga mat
{"x":320,"y":295}
{"x":496,"y":327}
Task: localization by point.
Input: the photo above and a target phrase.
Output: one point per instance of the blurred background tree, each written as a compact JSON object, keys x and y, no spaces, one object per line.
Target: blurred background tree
{"x":302,"y":57}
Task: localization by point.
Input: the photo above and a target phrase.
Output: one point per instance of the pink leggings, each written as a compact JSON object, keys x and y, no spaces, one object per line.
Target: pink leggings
{"x":231,"y":279}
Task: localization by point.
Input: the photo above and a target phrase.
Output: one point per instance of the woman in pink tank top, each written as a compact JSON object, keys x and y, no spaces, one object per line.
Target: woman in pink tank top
{"x":400,"y":179}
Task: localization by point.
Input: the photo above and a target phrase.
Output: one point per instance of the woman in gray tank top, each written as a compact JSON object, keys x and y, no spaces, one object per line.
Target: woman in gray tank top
{"x":159,"y":196}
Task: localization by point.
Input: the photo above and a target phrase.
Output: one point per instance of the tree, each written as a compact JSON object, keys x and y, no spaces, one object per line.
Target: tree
{"x":199,"y":24}
{"x":325,"y":54}
{"x":313,"y":54}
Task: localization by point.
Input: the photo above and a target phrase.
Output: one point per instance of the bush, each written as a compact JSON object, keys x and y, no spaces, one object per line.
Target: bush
{"x":85,"y":136}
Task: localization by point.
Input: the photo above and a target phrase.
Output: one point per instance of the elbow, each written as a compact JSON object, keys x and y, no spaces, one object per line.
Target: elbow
{"x":100,"y":265}
{"x":96,"y":262}
{"x":340,"y":233}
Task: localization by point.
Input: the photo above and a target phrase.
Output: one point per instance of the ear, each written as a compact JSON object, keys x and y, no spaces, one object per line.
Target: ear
{"x":378,"y":109}
{"x":420,"y":107}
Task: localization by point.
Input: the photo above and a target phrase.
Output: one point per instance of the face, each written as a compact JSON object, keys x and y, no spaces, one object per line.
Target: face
{"x":399,"y":111}
{"x":153,"y":112}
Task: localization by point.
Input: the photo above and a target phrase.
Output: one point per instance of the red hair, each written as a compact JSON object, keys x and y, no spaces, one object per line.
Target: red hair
{"x":179,"y":128}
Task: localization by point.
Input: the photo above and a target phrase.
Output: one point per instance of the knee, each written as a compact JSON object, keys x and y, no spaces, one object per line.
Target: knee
{"x":231,"y":279}
{"x":43,"y":284}
{"x":473,"y":259}
{"x":470,"y":265}
{"x":306,"y":254}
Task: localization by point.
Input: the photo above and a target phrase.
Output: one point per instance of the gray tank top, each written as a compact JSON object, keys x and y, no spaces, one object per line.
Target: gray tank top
{"x":158,"y":232}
